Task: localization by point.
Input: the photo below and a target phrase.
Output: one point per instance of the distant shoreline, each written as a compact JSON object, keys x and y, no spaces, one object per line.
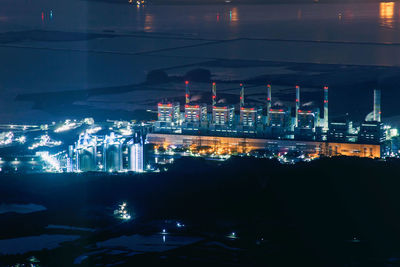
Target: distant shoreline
{"x":241,"y":2}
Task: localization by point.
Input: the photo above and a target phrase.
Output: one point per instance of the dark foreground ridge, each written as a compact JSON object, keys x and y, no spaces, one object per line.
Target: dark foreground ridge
{"x":329,"y":212}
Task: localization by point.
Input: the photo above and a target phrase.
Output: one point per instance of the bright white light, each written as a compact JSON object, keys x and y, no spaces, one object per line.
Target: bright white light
{"x":51,"y":160}
{"x":126,"y":131}
{"x":45,"y":140}
{"x":93,"y":130}
{"x":21,"y":139}
{"x":68,"y":125}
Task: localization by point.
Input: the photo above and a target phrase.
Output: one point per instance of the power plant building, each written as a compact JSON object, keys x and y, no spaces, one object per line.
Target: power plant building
{"x":195,"y":113}
{"x":250,"y":116}
{"x":307,"y":122}
{"x":223,"y":115}
{"x":275,"y":122}
{"x":372,"y":132}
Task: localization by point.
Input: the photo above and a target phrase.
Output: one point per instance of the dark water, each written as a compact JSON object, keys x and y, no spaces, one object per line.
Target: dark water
{"x":370,"y":22}
{"x":153,"y":37}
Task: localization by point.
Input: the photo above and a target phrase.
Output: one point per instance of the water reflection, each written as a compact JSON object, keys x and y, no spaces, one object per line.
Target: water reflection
{"x":233,"y":15}
{"x":386,"y":14}
{"x":299,"y":14}
{"x":148,"y":22}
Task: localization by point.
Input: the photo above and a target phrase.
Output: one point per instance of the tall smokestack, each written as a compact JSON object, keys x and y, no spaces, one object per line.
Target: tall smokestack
{"x":326,"y":121}
{"x":214,"y":94}
{"x":297,"y":103}
{"x":241,"y":95}
{"x":377,"y":105}
{"x":187,"y":96}
{"x":268,"y":96}
{"x":268,"y":101}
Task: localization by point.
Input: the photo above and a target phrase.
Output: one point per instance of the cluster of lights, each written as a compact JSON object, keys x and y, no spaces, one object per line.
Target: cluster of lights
{"x":45,"y":140}
{"x":93,"y":130}
{"x":68,"y":125}
{"x":122,"y":213}
{"x":6,"y":138}
{"x":51,"y":161}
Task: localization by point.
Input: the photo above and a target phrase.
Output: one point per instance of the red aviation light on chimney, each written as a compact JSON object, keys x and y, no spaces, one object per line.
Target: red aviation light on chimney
{"x":186,"y":82}
{"x":241,"y":84}
{"x":297,"y":87}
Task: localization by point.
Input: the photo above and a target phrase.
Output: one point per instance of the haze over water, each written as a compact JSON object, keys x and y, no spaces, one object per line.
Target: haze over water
{"x":153,"y":37}
{"x":369,"y":22}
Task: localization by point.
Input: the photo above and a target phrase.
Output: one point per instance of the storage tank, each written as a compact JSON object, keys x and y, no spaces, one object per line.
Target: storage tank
{"x":112,"y":153}
{"x":86,"y":153}
{"x":136,"y":154}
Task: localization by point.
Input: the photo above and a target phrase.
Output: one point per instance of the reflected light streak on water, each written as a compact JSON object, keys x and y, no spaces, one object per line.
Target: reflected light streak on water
{"x":386,"y":14}
{"x":148,"y":22}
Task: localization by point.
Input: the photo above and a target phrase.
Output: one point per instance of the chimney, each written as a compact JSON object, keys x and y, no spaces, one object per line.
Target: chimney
{"x":241,"y":95}
{"x":326,"y":121}
{"x":297,"y":104}
{"x":269,"y":100}
{"x":214,"y":94}
{"x":187,"y":96}
{"x":377,"y":105}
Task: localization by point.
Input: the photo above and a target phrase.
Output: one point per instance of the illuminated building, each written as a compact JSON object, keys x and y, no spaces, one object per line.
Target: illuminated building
{"x":341,"y":131}
{"x":311,"y":148}
{"x":250,"y":116}
{"x":307,"y":121}
{"x":195,"y":113}
{"x":195,"y":117}
{"x":168,"y":112}
{"x":279,"y":116}
{"x":372,"y":132}
{"x":223,"y":114}
{"x":86,"y":151}
{"x":168,"y":116}
{"x":112,"y":154}
{"x":279,"y":121}
{"x":135,"y":154}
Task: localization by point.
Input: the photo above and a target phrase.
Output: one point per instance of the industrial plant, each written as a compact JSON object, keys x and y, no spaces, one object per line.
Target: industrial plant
{"x":110,"y":153}
{"x":276,"y":128}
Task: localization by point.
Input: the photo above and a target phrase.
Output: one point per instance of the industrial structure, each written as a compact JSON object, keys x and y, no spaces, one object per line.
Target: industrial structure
{"x":271,"y":122}
{"x":106,"y":153}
